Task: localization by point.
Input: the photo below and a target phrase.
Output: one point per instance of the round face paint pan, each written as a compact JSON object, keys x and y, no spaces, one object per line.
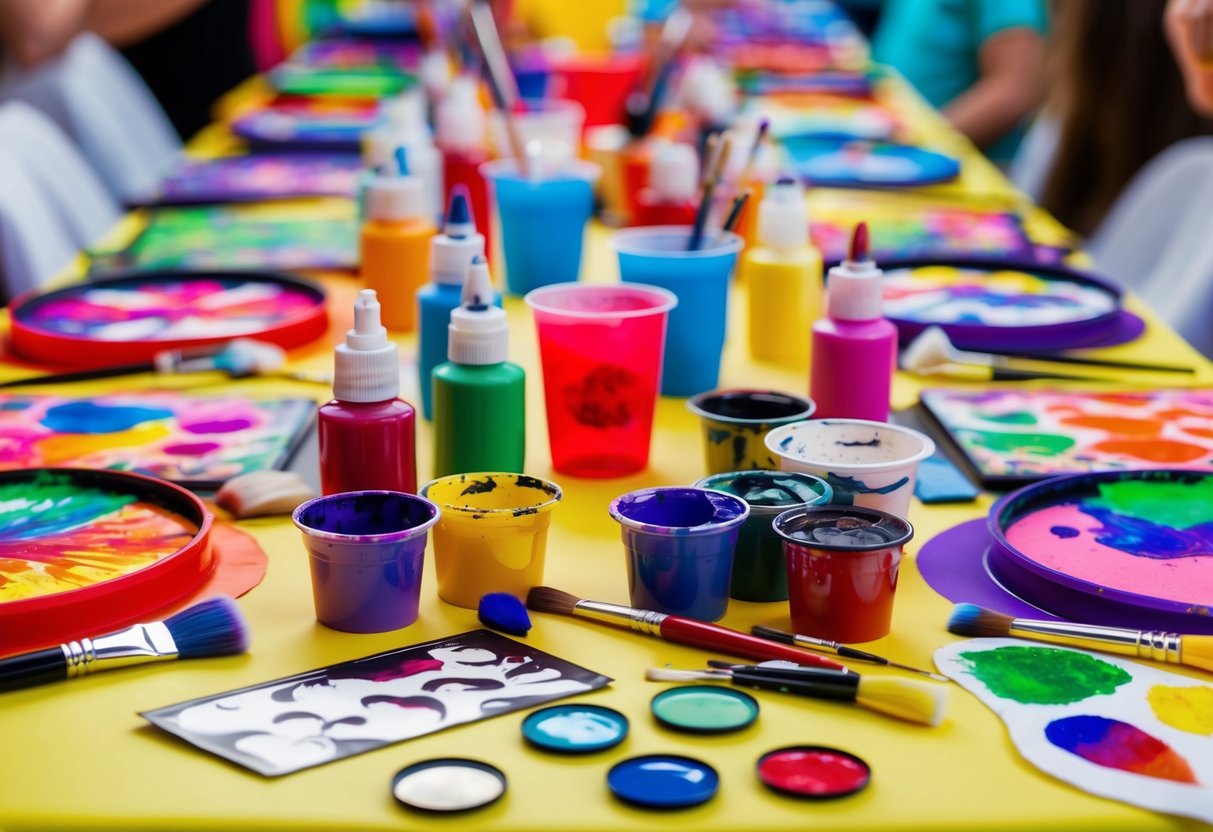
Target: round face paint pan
{"x":450,"y":784}
{"x":575,"y":729}
{"x":704,"y":709}
{"x":663,"y":781}
{"x":813,"y":772}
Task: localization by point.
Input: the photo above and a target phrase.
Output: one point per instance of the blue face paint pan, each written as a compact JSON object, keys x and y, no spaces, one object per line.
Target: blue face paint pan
{"x":575,"y":729}
{"x":663,"y":781}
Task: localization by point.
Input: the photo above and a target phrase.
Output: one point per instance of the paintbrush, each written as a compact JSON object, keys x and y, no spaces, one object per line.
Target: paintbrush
{"x":672,"y":628}
{"x":1155,"y":645}
{"x":642,"y":104}
{"x":752,"y":157}
{"x":907,"y":699}
{"x":930,"y":356}
{"x":211,"y":628}
{"x":837,"y":649}
{"x":734,"y":216}
{"x":705,"y":197}
{"x":502,"y":85}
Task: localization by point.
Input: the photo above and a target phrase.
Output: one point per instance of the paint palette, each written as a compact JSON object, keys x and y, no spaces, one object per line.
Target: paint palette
{"x":1012,"y":436}
{"x":1120,"y":729}
{"x":829,"y":162}
{"x":989,"y":305}
{"x":1133,"y":547}
{"x":85,"y":552}
{"x":130,"y":318}
{"x":308,"y":124}
{"x":250,"y":178}
{"x":362,"y":82}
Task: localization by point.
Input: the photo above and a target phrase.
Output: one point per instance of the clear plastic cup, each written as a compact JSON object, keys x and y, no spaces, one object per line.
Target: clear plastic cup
{"x":700,"y":279}
{"x":736,"y":421}
{"x":554,"y":124}
{"x":542,"y":218}
{"x":600,"y":346}
{"x":366,"y":550}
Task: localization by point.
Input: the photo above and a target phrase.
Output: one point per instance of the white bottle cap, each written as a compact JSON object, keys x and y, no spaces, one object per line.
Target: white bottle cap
{"x":853,"y":288}
{"x":406,"y":113}
{"x":392,"y":197}
{"x":674,"y":172}
{"x":434,"y":70}
{"x":783,"y":220}
{"x":452,"y":251}
{"x":479,"y":333}
{"x":377,"y":148}
{"x":459,"y":122}
{"x":366,"y":366}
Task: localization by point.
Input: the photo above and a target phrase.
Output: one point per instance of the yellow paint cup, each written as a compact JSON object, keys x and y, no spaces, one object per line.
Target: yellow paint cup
{"x":492,"y":535}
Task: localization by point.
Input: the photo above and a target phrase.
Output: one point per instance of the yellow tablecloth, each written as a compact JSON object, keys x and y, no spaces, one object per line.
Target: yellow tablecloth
{"x":77,"y":754}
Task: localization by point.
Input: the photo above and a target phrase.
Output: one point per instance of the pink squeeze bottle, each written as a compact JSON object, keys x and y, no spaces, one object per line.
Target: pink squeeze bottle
{"x":854,"y":346}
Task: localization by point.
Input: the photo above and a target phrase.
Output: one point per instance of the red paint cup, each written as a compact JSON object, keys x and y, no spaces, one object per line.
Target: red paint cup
{"x":600,"y":83}
{"x":842,"y":564}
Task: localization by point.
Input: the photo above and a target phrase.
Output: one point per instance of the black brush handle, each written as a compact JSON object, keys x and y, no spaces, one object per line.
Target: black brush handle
{"x":842,"y":687}
{"x":82,"y":375}
{"x":1012,"y":374}
{"x":31,"y":669}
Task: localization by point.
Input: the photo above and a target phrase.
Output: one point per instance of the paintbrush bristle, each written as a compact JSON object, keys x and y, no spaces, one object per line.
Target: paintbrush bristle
{"x":979,"y":622}
{"x":214,"y":627}
{"x":547,"y":599}
{"x":908,"y":699}
{"x":504,"y":612}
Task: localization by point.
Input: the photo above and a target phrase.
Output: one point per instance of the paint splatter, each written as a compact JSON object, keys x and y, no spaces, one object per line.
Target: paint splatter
{"x":1044,"y":675}
{"x":1186,"y":708}
{"x":1119,"y":745}
{"x":1065,"y":532}
{"x":1018,"y":417}
{"x":1178,"y":503}
{"x":93,"y":417}
{"x":1037,"y":444}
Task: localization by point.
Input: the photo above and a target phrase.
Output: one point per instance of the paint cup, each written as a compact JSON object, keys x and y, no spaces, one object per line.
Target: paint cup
{"x":657,"y":255}
{"x":867,"y":463}
{"x":679,"y":544}
{"x":553,"y":125}
{"x":842,"y":565}
{"x":759,"y":572}
{"x":599,"y":83}
{"x":735,"y":422}
{"x":604,"y":146}
{"x":542,"y":220}
{"x":492,"y":536}
{"x":600,"y":346}
{"x":367,"y":549}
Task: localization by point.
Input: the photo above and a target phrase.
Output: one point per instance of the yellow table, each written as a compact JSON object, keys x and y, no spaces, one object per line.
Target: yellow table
{"x":78,"y":755}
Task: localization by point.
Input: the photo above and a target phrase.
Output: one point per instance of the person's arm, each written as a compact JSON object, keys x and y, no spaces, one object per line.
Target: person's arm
{"x":1008,"y":89}
{"x":34,"y":30}
{"x":124,"y":22}
{"x":1189,"y":25}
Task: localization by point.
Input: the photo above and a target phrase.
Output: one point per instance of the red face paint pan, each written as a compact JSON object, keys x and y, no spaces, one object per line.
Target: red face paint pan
{"x":813,"y":772}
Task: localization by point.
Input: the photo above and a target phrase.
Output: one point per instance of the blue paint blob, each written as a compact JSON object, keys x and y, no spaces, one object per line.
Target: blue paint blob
{"x":89,"y":417}
{"x":504,"y":612}
{"x":1064,"y":532}
{"x":1146,"y":539}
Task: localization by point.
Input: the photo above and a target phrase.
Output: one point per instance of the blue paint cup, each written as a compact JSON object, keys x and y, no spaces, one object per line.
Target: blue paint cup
{"x":657,"y":256}
{"x":679,"y":544}
{"x":759,"y":571}
{"x":367,"y":549}
{"x":542,"y":219}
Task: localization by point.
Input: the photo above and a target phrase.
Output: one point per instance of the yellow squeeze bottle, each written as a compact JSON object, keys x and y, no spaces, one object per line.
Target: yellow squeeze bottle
{"x":784,"y":274}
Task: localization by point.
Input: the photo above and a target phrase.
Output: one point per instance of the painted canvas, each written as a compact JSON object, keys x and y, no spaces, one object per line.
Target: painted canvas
{"x":1012,"y":436}
{"x":1120,"y":729}
{"x":195,"y":441}
{"x":312,"y":718}
{"x":257,"y":177}
{"x":351,"y":53}
{"x":830,"y":162}
{"x":334,"y":124}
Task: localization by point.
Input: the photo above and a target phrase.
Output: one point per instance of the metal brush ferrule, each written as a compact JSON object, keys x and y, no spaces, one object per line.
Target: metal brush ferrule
{"x":1109,"y":639}
{"x":135,"y":645}
{"x":1159,"y":646}
{"x":644,"y":621}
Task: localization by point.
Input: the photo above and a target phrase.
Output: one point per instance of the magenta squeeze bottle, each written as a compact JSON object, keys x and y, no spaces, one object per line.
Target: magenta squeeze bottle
{"x":854,"y":345}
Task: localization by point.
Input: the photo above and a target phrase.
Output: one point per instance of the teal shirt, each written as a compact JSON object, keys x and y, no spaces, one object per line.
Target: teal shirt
{"x":935,"y":43}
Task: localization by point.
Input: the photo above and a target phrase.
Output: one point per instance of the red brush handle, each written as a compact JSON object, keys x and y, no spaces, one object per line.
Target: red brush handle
{"x":723,"y":640}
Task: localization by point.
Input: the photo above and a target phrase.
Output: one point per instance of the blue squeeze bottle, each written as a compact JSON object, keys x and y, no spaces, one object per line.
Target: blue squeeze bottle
{"x":451,"y":252}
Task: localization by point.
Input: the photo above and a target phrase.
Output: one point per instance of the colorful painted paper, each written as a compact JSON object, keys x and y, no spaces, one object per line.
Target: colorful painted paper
{"x":1014,"y":435}
{"x":334,"y":124}
{"x":354,"y":54}
{"x":269,"y":176}
{"x":1121,"y":729}
{"x":197,"y":441}
{"x":830,"y":116}
{"x":312,"y":718}
{"x":847,"y":163}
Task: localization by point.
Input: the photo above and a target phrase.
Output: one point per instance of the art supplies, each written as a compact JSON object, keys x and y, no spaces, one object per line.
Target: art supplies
{"x":830,"y":646}
{"x":448,"y":784}
{"x":459,"y":133}
{"x":700,"y":709}
{"x":263,"y":493}
{"x":833,"y":118}
{"x":334,"y":126}
{"x":194,"y":441}
{"x":860,"y":163}
{"x":663,"y":781}
{"x":406,"y":129}
{"x":225,"y":179}
{"x":669,"y":198}
{"x":1115,"y":728}
{"x":713,"y":170}
{"x":130,"y":318}
{"x":289,"y":78}
{"x":813,"y":772}
{"x":327,"y":714}
{"x":575,"y":729}
{"x":394,"y":244}
{"x":367,"y":432}
{"x":931,"y":354}
{"x":504,"y":612}
{"x":736,"y":421}
{"x":942,"y":345}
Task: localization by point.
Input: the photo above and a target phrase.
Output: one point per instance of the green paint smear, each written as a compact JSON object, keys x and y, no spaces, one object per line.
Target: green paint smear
{"x":1039,"y":444}
{"x":1044,"y":675}
{"x":1019,"y":417}
{"x":1167,"y":503}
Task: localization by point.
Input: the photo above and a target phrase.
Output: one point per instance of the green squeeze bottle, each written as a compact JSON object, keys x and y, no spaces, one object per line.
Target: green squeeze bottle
{"x":479,"y":397}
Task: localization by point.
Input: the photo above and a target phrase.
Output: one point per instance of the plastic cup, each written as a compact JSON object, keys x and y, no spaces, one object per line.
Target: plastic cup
{"x":542,"y":220}
{"x":736,"y":421}
{"x":493,"y":534}
{"x":599,"y":83}
{"x":842,"y":564}
{"x":657,"y":255}
{"x":679,"y":544}
{"x":604,"y":146}
{"x":868,"y":463}
{"x":367,"y":549}
{"x":553,"y":124}
{"x":759,"y":571}
{"x":600,"y":346}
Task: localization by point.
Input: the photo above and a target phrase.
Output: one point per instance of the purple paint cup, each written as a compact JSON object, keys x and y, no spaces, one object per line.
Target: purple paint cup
{"x":367,"y":550}
{"x":679,"y":544}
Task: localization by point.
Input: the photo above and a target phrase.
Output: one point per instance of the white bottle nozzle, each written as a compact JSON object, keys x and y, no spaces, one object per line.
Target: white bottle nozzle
{"x":479,"y":332}
{"x":459,"y":122}
{"x":854,"y":290}
{"x":452,"y":251}
{"x":366,"y":365}
{"x":674,"y":172}
{"x":783,"y":219}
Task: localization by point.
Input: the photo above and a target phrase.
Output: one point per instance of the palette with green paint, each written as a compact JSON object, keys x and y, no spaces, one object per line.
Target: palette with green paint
{"x":1113,"y":727}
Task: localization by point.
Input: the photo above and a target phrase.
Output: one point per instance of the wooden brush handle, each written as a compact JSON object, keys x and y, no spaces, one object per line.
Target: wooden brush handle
{"x":720,"y":639}
{"x":1196,"y":651}
{"x":31,"y":669}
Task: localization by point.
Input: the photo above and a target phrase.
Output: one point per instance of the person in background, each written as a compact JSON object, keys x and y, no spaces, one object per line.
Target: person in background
{"x":978,"y":61}
{"x":1189,"y":27}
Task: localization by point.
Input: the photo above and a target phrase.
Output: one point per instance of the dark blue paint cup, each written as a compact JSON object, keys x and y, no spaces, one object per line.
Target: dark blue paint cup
{"x":679,"y":544}
{"x":367,"y":550}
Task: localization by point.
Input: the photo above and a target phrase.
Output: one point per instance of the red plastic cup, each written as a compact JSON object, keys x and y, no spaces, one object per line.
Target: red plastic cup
{"x":842,"y":564}
{"x":600,"y":83}
{"x":601,"y":348}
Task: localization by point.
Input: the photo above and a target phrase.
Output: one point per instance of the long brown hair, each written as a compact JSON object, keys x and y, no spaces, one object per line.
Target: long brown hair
{"x":1120,"y":99}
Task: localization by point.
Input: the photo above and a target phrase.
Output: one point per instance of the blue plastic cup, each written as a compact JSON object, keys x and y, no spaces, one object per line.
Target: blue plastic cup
{"x":657,"y":256}
{"x":679,"y":544}
{"x":542,"y":219}
{"x":367,"y":549}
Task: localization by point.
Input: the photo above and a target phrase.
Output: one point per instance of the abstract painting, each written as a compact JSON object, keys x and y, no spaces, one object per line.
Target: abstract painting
{"x":308,"y":123}
{"x":264,"y":176}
